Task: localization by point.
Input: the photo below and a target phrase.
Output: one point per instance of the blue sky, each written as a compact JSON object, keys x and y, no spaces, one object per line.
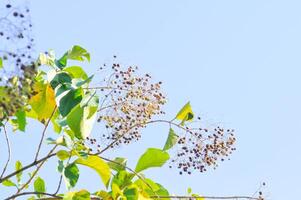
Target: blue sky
{"x":238,"y":62}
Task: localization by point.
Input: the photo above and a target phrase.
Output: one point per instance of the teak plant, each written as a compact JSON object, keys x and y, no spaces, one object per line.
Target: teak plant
{"x":62,"y":97}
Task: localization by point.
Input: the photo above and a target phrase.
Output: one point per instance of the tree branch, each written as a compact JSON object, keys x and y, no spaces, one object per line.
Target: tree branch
{"x":27,"y":167}
{"x":33,"y":193}
{"x":43,"y":133}
{"x":9,"y":152}
{"x":206,"y":197}
{"x":36,"y":171}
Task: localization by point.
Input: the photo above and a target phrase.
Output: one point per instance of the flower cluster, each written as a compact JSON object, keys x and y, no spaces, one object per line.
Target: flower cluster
{"x":129,"y":101}
{"x":201,"y":148}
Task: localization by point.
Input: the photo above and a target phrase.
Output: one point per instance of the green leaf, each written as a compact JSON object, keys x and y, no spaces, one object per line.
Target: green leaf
{"x":62,"y":62}
{"x":8,"y":183}
{"x":71,"y":174}
{"x":78,"y":53}
{"x":189,"y":190}
{"x":61,"y":78}
{"x":185,"y":114}
{"x":39,"y":186}
{"x":120,"y":166}
{"x":81,"y":195}
{"x":1,"y":63}
{"x":68,"y":100}
{"x":55,"y":118}
{"x":171,"y":140}
{"x":63,"y":155}
{"x":19,"y":122}
{"x":18,"y":166}
{"x":131,"y":192}
{"x":76,"y":72}
{"x":152,"y":158}
{"x":101,"y":167}
{"x":122,"y":179}
{"x":81,"y":119}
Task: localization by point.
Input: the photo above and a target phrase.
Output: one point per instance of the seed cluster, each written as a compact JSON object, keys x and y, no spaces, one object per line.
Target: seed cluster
{"x":16,"y":91}
{"x":15,"y":37}
{"x":201,"y":148}
{"x":130,"y":101}
{"x":16,"y":48}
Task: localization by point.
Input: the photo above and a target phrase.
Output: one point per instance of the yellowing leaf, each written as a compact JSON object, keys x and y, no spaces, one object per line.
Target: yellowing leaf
{"x":43,"y":103}
{"x":96,"y":163}
{"x":185,"y":114}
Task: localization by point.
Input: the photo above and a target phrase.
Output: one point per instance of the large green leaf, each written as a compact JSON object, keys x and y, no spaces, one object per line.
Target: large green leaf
{"x":71,"y":174}
{"x":76,"y":72}
{"x":96,"y":163}
{"x":39,"y":186}
{"x":185,"y":114}
{"x":152,"y":158}
{"x":171,"y":139}
{"x":68,"y":99}
{"x":81,"y":119}
{"x":78,"y":53}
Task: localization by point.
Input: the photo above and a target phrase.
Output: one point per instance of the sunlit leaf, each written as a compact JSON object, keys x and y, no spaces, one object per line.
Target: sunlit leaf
{"x":81,"y":195}
{"x":1,"y":63}
{"x":101,"y":167}
{"x":19,"y":122}
{"x":39,"y":186}
{"x":78,"y":53}
{"x":171,"y":139}
{"x":185,"y":114}
{"x":43,"y":103}
{"x":62,"y":154}
{"x":152,"y":158}
{"x":76,"y":72}
{"x":8,"y":183}
{"x":18,"y":166}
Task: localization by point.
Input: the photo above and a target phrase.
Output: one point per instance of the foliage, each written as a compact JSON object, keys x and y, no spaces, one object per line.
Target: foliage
{"x":62,"y":96}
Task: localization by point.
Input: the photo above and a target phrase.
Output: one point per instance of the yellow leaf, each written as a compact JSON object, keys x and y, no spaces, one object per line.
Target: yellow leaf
{"x":101,"y":167}
{"x":43,"y":103}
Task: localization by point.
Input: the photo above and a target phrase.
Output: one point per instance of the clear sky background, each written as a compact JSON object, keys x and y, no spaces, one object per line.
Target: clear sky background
{"x":238,"y":62}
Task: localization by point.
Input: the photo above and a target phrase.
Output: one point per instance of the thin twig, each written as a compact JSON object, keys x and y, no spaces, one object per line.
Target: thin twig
{"x":35,"y":172}
{"x":142,"y":124}
{"x":8,"y":150}
{"x":43,"y":133}
{"x":26,"y":167}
